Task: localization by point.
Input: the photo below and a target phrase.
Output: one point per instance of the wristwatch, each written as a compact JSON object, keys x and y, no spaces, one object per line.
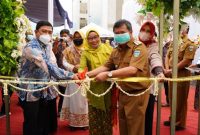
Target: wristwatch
{"x":110,"y":74}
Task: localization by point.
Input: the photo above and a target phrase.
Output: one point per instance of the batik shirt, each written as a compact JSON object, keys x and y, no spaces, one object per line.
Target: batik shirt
{"x":39,"y":65}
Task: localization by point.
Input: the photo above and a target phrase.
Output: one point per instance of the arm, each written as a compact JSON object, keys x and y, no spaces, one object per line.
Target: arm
{"x":119,"y":73}
{"x":96,"y":71}
{"x":155,"y":60}
{"x":184,"y":63}
{"x":124,"y":72}
{"x":167,"y":61}
{"x":67,"y":65}
{"x":188,"y":57}
{"x":83,"y":62}
{"x":137,"y":63}
{"x":59,"y":73}
{"x":106,"y":67}
{"x":36,"y":56}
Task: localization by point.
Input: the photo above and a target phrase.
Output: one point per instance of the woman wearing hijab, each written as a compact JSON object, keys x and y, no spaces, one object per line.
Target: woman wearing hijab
{"x":75,"y":108}
{"x":94,"y":56}
{"x":147,"y":36}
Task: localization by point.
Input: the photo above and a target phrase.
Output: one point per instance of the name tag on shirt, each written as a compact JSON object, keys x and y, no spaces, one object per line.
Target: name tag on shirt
{"x":136,"y":53}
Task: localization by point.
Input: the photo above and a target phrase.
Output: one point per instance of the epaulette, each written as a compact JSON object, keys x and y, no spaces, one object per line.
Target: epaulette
{"x":137,"y":42}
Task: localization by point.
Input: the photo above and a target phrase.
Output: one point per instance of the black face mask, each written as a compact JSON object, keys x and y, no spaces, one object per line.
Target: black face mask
{"x":78,"y":42}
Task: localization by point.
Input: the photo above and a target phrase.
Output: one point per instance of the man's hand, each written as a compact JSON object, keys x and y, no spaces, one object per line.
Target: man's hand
{"x":101,"y":77}
{"x":193,"y":66}
{"x":168,"y":73}
{"x":161,"y":76}
{"x":75,"y":69}
{"x":89,"y":74}
{"x":75,"y":77}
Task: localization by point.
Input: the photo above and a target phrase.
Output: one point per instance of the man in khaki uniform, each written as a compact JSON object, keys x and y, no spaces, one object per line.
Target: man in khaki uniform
{"x":185,"y":56}
{"x":129,"y":59}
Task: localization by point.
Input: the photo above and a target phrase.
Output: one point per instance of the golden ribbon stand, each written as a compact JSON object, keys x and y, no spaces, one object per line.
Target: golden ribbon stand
{"x":84,"y":84}
{"x":84,"y":87}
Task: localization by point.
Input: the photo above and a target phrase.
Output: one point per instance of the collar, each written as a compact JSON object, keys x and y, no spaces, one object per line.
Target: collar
{"x":127,"y":45}
{"x":185,"y":38}
{"x":130,"y":44}
{"x":42,"y":44}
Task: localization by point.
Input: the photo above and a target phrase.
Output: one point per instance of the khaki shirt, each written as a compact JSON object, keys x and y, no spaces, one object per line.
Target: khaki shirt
{"x":169,"y":55}
{"x":136,"y":55}
{"x":186,"y":51}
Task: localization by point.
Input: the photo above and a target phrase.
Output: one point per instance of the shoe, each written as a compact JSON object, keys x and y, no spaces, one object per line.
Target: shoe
{"x":2,"y":114}
{"x":178,"y":128}
{"x":165,"y":105}
{"x":83,"y":128}
{"x":167,"y":123}
{"x":72,"y":128}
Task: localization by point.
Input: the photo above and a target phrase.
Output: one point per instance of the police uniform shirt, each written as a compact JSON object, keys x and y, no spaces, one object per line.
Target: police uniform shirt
{"x":186,"y":50}
{"x":134,"y":54}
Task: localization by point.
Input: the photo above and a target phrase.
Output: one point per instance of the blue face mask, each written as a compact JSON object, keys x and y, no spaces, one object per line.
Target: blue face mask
{"x":122,"y":38}
{"x":29,"y":37}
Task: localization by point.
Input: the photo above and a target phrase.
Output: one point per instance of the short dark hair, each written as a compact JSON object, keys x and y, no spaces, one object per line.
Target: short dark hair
{"x":64,"y":31}
{"x":188,"y":27}
{"x":121,"y":22}
{"x":43,"y":23}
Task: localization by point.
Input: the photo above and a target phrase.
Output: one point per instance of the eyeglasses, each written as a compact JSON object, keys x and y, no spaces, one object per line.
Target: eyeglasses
{"x":91,"y":38}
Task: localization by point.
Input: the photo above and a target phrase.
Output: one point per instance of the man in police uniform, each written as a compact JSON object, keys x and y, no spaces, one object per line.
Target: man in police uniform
{"x":129,"y":59}
{"x":185,"y":56}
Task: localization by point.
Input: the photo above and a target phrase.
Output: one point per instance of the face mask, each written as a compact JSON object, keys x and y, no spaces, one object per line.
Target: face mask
{"x":143,"y":36}
{"x":78,"y":42}
{"x":29,"y":37}
{"x":122,"y":38}
{"x":45,"y":39}
{"x":65,"y":38}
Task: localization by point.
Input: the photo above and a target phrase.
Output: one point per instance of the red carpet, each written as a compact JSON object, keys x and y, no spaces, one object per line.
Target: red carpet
{"x":16,"y":120}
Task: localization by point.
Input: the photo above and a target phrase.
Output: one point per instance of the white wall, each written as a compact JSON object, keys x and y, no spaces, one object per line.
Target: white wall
{"x":194,"y":27}
{"x":129,"y":10}
{"x":111,"y":13}
{"x":95,"y":11}
{"x":76,"y":15}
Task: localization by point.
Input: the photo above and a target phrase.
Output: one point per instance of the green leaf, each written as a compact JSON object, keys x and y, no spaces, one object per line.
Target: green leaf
{"x":9,"y":10}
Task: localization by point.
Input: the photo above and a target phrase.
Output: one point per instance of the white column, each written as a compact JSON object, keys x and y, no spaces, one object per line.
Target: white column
{"x":50,"y":11}
{"x":111,"y":14}
{"x":104,"y":22}
{"x":95,"y":11}
{"x":89,"y":10}
{"x":76,"y":15}
{"x":119,"y":4}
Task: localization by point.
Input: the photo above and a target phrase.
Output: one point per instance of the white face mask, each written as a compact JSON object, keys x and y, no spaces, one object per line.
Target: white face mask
{"x":144,"y":36}
{"x":65,"y":38}
{"x":45,"y":39}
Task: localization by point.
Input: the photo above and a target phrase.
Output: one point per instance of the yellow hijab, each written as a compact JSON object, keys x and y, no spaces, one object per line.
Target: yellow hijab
{"x":83,"y":37}
{"x":88,"y":47}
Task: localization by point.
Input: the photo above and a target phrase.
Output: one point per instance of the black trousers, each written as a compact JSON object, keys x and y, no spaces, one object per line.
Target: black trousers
{"x":3,"y":102}
{"x":40,"y":117}
{"x":149,"y":115}
{"x":62,"y":90}
{"x":166,"y":86}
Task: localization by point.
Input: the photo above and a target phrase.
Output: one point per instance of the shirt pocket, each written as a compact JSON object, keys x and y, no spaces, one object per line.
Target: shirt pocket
{"x":181,"y":52}
{"x":127,"y":60}
{"x":116,"y":61}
